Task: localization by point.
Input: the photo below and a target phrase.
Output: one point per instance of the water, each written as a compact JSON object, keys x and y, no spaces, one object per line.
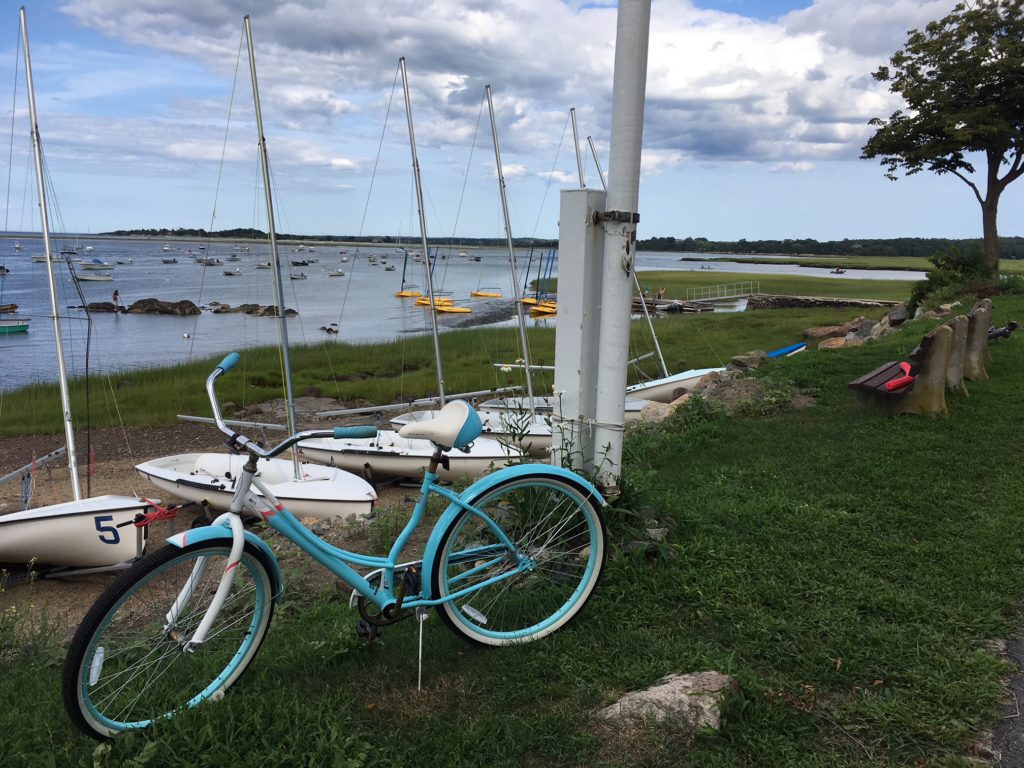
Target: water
{"x":360,"y":305}
{"x":671,"y":261}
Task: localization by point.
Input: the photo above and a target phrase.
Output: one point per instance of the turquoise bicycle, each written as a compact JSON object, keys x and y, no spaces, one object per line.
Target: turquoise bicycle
{"x":512,"y":559}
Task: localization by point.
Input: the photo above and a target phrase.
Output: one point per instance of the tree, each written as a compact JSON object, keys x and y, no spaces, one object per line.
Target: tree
{"x":963,"y":81}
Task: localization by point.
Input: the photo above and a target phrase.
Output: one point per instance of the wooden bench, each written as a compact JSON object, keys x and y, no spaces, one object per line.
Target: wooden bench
{"x":892,"y":380}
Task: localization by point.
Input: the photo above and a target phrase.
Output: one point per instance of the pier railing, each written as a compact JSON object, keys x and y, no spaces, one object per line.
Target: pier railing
{"x":724,"y":291}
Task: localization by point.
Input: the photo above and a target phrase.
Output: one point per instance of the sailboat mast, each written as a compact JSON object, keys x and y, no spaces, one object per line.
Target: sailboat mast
{"x":520,"y":315}
{"x":278,"y":287}
{"x":576,"y":147}
{"x":37,"y":148}
{"x":423,"y":232}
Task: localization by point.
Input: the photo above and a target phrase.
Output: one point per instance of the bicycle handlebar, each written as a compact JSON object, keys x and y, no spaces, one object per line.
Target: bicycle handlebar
{"x":229,"y":362}
{"x":244,"y":443}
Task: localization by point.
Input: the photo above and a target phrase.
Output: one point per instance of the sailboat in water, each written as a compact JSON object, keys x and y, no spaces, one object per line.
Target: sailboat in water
{"x":306,"y":489}
{"x":84,"y":533}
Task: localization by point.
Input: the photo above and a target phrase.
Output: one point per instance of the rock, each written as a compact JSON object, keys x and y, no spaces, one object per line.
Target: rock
{"x":830,"y":331}
{"x":833,"y":343}
{"x":692,"y":700}
{"x":654,"y":412}
{"x":158,"y":307}
{"x":101,"y":306}
{"x":879,"y":328}
{"x":947,"y":308}
{"x":656,"y":534}
{"x":749,"y":361}
{"x":897,"y":316}
{"x":863,"y":328}
{"x":680,"y":401}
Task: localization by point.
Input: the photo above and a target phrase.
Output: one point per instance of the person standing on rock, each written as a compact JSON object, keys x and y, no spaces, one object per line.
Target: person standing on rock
{"x":117,"y":298}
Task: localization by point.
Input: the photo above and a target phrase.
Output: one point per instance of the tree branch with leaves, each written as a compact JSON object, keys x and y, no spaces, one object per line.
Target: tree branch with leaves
{"x":962,"y":79}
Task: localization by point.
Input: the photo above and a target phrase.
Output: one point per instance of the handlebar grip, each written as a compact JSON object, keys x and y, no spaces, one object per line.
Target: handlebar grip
{"x":342,"y":432}
{"x":229,"y":362}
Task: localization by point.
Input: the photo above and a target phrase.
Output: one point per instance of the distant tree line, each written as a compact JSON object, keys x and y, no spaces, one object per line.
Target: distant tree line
{"x":256,"y":234}
{"x":1011,"y":247}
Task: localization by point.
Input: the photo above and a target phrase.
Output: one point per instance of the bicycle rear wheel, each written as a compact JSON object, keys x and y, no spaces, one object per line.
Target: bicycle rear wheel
{"x":127,"y":666}
{"x":521,"y":594}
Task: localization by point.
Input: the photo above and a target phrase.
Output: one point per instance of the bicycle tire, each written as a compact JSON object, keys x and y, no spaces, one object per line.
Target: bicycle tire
{"x":125,"y":669}
{"x":554,"y":523}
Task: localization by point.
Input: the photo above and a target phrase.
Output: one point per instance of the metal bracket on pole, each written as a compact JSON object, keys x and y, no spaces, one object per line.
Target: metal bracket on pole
{"x":626,"y":217}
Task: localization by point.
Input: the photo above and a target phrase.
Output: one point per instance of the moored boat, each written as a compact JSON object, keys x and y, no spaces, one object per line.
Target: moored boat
{"x":13,"y":325}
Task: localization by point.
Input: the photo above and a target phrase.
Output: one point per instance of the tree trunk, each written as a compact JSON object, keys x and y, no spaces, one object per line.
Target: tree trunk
{"x":990,"y":232}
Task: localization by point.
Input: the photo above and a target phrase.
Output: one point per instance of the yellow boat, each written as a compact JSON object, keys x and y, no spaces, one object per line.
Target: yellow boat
{"x":439,"y":301}
{"x":408,"y":294}
{"x":451,"y":308}
{"x":544,"y":308}
{"x":485,"y":294}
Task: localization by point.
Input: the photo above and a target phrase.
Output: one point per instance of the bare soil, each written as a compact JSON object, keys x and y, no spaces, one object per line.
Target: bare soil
{"x":63,"y":601}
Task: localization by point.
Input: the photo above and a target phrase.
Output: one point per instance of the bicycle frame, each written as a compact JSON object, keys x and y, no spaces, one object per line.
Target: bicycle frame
{"x":340,"y":561}
{"x":337,"y":560}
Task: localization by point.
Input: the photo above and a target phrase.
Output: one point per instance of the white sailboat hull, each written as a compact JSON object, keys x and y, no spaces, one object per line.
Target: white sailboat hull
{"x":322,"y":492}
{"x":664,"y":390}
{"x":81,"y":534}
{"x":545,"y":405}
{"x":391,"y":454}
{"x":517,"y":428}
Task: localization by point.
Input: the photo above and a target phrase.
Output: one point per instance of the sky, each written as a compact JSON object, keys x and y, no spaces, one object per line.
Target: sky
{"x":755,"y":115}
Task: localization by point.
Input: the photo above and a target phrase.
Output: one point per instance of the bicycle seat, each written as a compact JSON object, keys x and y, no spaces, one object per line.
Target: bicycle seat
{"x":455,"y":426}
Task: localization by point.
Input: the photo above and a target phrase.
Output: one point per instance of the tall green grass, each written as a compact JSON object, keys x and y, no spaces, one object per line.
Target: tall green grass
{"x":402,"y":370}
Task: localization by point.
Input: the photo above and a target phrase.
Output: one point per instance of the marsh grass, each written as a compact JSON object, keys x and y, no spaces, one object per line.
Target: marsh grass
{"x":361,"y":374}
{"x":850,"y":569}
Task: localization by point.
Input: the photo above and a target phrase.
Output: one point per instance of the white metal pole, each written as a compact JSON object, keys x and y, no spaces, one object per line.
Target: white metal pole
{"x":620,"y":220}
{"x":521,"y":317}
{"x":278,"y":287}
{"x":423,"y":233}
{"x":37,"y":148}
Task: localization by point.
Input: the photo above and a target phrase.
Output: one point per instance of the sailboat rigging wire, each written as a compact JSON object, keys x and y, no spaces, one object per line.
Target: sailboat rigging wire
{"x":10,"y":149}
{"x":551,"y":176}
{"x":227,"y":129}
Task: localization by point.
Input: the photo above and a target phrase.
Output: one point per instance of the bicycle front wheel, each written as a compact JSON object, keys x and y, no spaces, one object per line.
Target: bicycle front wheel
{"x":129,"y":664}
{"x":502,"y":595}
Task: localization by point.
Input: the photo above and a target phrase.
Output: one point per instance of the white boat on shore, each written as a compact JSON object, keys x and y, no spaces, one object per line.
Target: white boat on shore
{"x":391,"y":454}
{"x":668,"y":388}
{"x":86,"y":532}
{"x":321,"y":491}
{"x":78,"y":534}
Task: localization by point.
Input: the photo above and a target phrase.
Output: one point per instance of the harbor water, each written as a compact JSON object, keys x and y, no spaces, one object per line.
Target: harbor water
{"x":360,"y":305}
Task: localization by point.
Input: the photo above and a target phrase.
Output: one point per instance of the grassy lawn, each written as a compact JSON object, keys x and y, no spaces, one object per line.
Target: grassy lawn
{"x":850,"y":569}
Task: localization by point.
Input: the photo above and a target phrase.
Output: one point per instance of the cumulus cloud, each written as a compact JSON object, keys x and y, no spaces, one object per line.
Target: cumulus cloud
{"x":789,"y":92}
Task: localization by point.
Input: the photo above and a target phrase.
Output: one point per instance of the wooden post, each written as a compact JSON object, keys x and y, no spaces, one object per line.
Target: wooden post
{"x":929,"y":393}
{"x":958,"y":350}
{"x":977,"y":355}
